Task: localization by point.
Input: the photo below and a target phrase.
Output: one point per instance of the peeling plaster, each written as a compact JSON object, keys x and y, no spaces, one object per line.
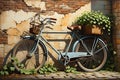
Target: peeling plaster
{"x":7,"y":19}
{"x":11,"y":18}
{"x":63,"y":6}
{"x":36,"y":4}
{"x":13,"y":32}
{"x":18,"y":22}
{"x":20,"y":16}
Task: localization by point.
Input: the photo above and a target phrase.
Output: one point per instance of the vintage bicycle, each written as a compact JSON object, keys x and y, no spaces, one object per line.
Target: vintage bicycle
{"x":89,"y":52}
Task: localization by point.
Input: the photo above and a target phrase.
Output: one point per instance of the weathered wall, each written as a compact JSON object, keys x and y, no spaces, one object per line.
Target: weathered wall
{"x":116,"y":33}
{"x":15,"y":14}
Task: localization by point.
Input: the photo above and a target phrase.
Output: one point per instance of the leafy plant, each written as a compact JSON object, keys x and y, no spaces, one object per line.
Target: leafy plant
{"x":7,"y":69}
{"x":70,"y":70}
{"x":95,"y":18}
{"x":48,"y":68}
{"x":24,"y":71}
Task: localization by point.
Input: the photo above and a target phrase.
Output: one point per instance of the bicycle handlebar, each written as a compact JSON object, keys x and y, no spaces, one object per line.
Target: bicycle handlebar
{"x":38,"y":20}
{"x":49,"y":21}
{"x":53,"y":18}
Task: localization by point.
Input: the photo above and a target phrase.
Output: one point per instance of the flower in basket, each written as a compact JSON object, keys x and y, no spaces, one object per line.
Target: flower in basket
{"x":95,"y":18}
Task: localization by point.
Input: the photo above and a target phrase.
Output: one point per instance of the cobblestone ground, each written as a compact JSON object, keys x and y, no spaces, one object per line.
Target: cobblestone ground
{"x":100,"y":75}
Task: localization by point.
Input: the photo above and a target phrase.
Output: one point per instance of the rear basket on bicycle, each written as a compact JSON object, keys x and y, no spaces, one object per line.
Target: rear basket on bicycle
{"x":35,"y":29}
{"x":92,"y":30}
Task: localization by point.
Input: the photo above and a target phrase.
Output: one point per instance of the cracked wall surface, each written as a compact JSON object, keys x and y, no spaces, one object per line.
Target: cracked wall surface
{"x":15,"y":18}
{"x":35,"y":4}
{"x":18,"y":22}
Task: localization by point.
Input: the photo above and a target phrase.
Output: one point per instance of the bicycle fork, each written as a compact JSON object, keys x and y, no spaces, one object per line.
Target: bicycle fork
{"x":33,"y":49}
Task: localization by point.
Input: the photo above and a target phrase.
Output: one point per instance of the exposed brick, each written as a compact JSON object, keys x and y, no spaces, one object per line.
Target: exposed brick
{"x":54,"y":5}
{"x":50,"y":4}
{"x":3,"y":39}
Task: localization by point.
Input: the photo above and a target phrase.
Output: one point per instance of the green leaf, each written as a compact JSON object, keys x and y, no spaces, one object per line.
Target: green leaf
{"x":47,"y":69}
{"x":6,"y":72}
{"x":41,"y":72}
{"x":1,"y":72}
{"x":68,"y":71}
{"x":5,"y":67}
{"x":21,"y":65}
{"x":12,"y":68}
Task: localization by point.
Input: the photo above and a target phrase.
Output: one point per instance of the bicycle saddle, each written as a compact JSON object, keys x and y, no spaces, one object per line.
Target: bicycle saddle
{"x":74,"y":27}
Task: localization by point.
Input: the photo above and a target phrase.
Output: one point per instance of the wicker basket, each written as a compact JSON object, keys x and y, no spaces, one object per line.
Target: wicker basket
{"x":34,"y":29}
{"x":93,"y":29}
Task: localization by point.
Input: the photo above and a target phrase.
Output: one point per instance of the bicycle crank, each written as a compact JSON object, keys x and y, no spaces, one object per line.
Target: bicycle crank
{"x":64,"y":59}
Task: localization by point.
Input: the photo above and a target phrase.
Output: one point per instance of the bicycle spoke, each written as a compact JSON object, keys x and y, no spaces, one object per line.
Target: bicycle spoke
{"x":84,"y":61}
{"x":77,"y":49}
{"x":94,"y":46}
{"x":84,"y":45}
{"x":99,"y":49}
{"x":95,"y":42}
{"x":33,"y":61}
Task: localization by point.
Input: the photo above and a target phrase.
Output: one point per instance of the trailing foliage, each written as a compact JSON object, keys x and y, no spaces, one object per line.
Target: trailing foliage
{"x":105,"y":23}
{"x":7,"y":69}
{"x":110,"y":63}
{"x":95,"y":18}
{"x":71,"y":70}
{"x":48,"y":68}
{"x":23,"y":71}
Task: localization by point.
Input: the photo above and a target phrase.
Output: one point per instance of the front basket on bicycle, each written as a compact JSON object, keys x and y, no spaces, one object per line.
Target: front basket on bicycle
{"x":34,"y":30}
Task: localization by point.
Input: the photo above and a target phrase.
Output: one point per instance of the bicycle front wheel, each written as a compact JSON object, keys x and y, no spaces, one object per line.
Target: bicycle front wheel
{"x":96,"y":53}
{"x":21,"y":57}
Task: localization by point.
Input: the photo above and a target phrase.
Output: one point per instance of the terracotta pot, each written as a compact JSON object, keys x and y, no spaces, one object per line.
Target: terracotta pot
{"x":93,"y":29}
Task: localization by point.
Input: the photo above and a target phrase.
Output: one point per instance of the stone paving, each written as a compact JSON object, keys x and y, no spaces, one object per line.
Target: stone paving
{"x":100,"y":75}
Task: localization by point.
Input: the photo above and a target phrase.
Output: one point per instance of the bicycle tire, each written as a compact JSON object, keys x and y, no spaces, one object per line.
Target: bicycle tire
{"x":99,"y":53}
{"x":21,"y":59}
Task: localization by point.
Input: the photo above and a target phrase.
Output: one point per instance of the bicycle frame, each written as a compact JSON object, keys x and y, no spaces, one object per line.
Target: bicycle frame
{"x":41,"y":38}
{"x":83,"y":51}
{"x":65,"y":55}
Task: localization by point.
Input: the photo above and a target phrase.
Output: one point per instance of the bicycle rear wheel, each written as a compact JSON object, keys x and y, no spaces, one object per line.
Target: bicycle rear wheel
{"x":22,"y":60}
{"x":95,"y":48}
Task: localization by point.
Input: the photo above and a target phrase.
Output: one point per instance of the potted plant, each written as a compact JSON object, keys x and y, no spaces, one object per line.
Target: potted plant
{"x":94,"y":22}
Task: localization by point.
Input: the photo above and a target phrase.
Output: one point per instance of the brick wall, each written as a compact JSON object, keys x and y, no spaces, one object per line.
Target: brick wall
{"x":66,"y":11}
{"x":65,"y":6}
{"x":14,"y":18}
{"x":3,"y":38}
{"x":60,"y":6}
{"x":116,"y":33}
{"x":15,"y":5}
